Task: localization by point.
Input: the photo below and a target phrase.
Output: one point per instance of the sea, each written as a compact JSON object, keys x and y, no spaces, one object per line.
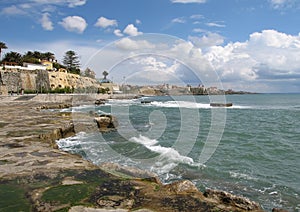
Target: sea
{"x":251,"y":149}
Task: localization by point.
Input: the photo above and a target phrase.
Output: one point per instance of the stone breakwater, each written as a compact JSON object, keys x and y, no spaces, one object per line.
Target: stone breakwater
{"x":43,"y":178}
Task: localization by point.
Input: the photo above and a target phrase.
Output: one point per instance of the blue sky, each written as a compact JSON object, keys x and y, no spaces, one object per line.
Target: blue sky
{"x":249,"y":45}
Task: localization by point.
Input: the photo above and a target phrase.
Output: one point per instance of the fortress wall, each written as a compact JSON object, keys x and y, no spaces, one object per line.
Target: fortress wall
{"x":14,"y":80}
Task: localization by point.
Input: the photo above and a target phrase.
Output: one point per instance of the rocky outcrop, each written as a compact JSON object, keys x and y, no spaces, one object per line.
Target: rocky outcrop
{"x":222,"y":198}
{"x":106,"y":122}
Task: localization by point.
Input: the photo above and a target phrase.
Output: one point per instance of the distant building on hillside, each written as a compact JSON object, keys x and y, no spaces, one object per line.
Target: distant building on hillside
{"x":48,"y":64}
{"x":108,"y":84}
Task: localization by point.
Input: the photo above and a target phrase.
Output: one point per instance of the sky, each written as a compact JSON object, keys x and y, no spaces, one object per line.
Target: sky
{"x":249,"y":45}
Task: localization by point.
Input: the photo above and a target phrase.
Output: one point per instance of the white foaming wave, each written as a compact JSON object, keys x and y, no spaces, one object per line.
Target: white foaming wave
{"x":241,"y":176}
{"x":102,"y":112}
{"x":180,"y":104}
{"x":121,"y":101}
{"x":66,"y":143}
{"x":144,"y":140}
{"x":239,"y":107}
{"x":168,"y":155}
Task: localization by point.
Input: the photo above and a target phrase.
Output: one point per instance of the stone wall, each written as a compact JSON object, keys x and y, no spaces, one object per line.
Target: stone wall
{"x":63,"y":80}
{"x":40,"y":80}
{"x":3,"y":90}
{"x":12,"y":80}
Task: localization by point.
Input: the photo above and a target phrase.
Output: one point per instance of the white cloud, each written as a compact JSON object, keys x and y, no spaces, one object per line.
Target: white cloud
{"x":212,"y":24}
{"x":277,"y":4}
{"x":104,"y":22}
{"x":137,"y":21}
{"x":46,"y":22}
{"x":130,"y":44}
{"x":118,"y":33}
{"x":69,"y":3}
{"x":180,"y":20}
{"x":13,"y":10}
{"x":197,"y":16}
{"x":198,"y":30}
{"x":273,"y":38}
{"x":153,"y":69}
{"x":75,"y":3}
{"x":131,"y":30}
{"x":266,"y":57}
{"x":74,"y":24}
{"x":188,"y":1}
{"x":210,"y":39}
{"x":33,"y":7}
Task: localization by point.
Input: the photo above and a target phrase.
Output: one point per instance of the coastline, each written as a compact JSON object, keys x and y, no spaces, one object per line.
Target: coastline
{"x":30,"y":162}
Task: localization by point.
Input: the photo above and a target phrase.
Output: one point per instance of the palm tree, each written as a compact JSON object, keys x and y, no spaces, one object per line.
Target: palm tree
{"x":13,"y":57}
{"x":48,"y":56}
{"x":2,"y":46}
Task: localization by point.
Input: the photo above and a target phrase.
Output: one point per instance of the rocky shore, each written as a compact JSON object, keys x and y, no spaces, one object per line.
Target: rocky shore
{"x":36,"y":176}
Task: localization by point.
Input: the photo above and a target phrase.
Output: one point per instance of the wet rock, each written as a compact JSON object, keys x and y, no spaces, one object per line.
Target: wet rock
{"x":54,"y":106}
{"x":106,"y":122}
{"x":100,"y":102}
{"x":227,"y":199}
{"x":130,"y":172}
{"x":181,"y":187}
{"x":278,"y":210}
{"x":89,"y":209}
{"x":63,"y":132}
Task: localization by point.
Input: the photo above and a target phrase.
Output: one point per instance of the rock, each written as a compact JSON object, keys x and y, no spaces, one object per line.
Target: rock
{"x":100,"y":102}
{"x":65,"y":131}
{"x":227,"y":199}
{"x":89,"y":209}
{"x":106,"y":122}
{"x":118,"y":170}
{"x":278,"y":210}
{"x":181,"y":187}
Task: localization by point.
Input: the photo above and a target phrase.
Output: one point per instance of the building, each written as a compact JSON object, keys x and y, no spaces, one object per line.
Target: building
{"x":108,"y":84}
{"x":48,"y":64}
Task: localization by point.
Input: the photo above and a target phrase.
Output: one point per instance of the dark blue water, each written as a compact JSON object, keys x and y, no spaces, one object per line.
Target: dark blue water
{"x":251,"y":149}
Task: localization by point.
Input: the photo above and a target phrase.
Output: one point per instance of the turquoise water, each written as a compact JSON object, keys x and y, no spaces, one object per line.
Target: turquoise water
{"x":257,"y":156}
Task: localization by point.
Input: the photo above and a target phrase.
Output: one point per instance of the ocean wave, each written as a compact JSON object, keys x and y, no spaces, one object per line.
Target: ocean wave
{"x":70,"y":142}
{"x":181,"y":104}
{"x":241,"y":176}
{"x":168,"y":157}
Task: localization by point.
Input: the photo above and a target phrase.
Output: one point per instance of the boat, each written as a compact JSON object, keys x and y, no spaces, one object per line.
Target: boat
{"x":221,"y":104}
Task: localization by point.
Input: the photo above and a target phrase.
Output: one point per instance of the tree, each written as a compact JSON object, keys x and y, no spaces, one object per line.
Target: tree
{"x":36,"y":57}
{"x":48,"y":56}
{"x":30,"y":57}
{"x":89,"y":73}
{"x":104,"y":73}
{"x":71,"y":61}
{"x":13,"y":57}
{"x":2,"y":46}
